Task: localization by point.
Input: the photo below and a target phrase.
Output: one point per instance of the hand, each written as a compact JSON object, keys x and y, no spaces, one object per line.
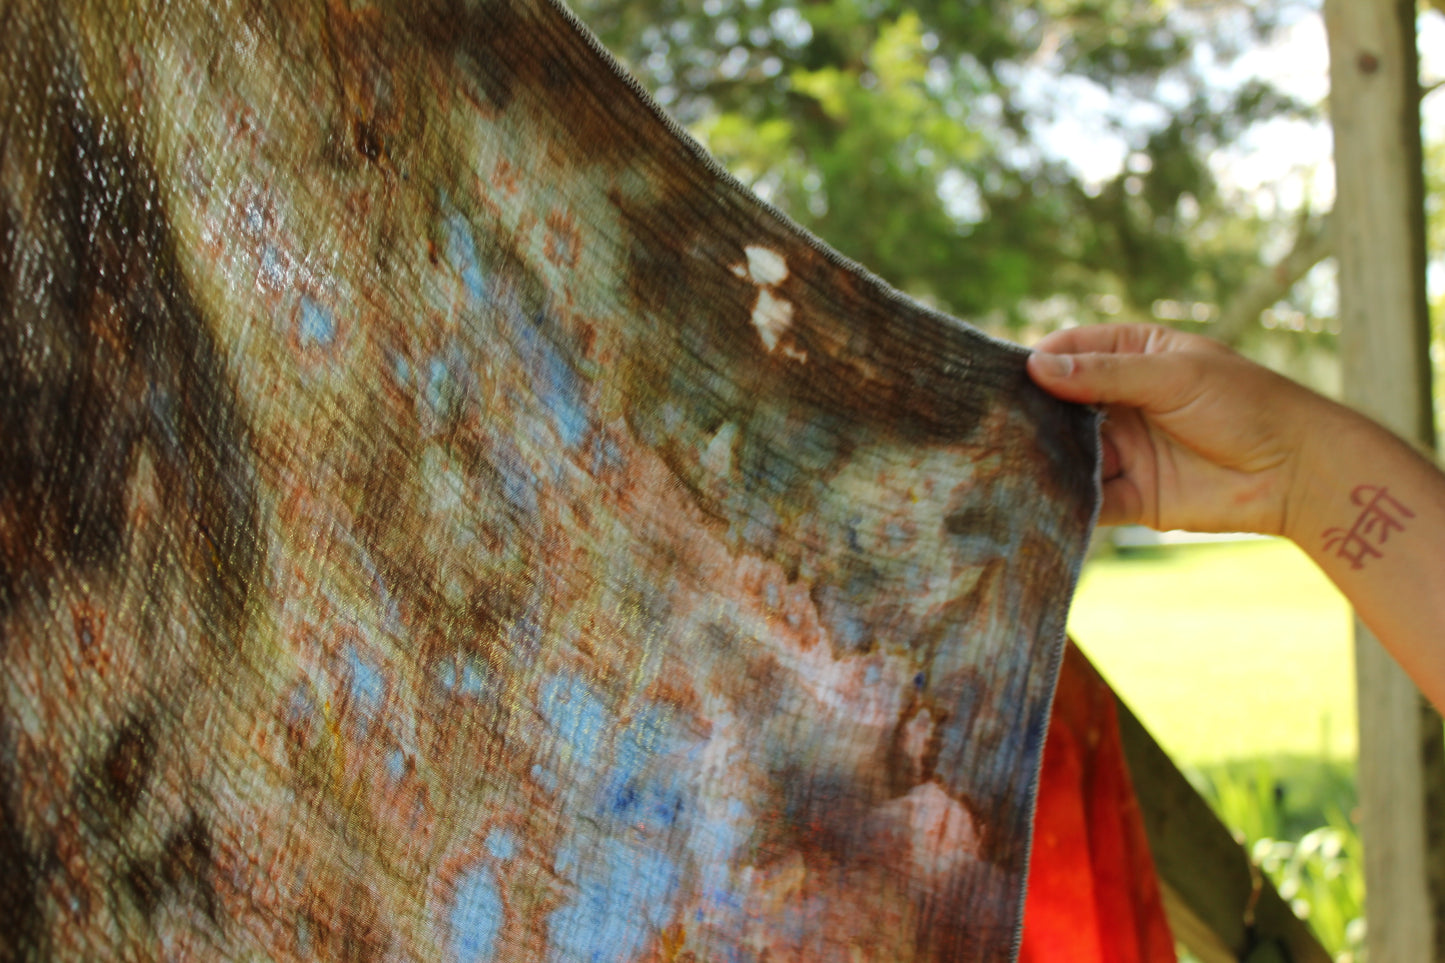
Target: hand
{"x":1195,"y":435}
{"x":1198,"y":437}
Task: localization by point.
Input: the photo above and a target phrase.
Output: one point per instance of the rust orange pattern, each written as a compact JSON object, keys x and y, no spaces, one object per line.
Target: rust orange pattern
{"x":443,"y":516}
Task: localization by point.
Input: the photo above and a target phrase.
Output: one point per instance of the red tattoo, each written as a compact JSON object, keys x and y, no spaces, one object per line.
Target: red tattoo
{"x":1379,"y":516}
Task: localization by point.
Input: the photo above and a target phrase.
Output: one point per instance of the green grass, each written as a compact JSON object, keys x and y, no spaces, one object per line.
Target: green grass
{"x":1224,"y":651}
{"x":1238,"y":659}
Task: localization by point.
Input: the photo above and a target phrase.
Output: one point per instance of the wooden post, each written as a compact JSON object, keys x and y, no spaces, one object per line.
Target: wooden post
{"x":1380,"y":225}
{"x":1220,"y":906}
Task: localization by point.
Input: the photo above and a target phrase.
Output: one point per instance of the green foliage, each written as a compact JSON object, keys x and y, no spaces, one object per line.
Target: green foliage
{"x":1294,"y":815}
{"x":914,"y":135}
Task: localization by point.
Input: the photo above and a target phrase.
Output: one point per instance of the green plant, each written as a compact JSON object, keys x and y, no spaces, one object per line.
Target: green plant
{"x":1294,"y":815}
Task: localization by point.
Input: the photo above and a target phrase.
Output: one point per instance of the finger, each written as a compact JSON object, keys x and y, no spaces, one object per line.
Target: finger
{"x":1120,"y":502}
{"x":1121,"y":499}
{"x":1103,"y":338}
{"x":1154,"y":382}
{"x":1126,"y":339}
{"x":1113,"y":465}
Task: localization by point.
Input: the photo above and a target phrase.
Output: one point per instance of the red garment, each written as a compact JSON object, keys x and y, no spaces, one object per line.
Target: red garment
{"x":1093,"y":895}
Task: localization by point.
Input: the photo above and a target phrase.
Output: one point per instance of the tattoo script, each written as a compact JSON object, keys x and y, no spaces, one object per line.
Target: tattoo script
{"x":1380,"y":514}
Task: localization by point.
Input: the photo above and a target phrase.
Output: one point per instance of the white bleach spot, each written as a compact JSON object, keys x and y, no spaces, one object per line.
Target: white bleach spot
{"x":917,"y":733}
{"x":765,"y":265}
{"x":771,"y":316}
{"x":938,"y":829}
{"x":718,"y":456}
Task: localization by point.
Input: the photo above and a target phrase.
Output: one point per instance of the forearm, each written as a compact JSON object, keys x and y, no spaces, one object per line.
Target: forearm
{"x":1370,"y":511}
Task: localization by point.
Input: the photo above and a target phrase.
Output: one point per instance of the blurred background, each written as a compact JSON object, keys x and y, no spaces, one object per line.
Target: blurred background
{"x":1035,"y":165}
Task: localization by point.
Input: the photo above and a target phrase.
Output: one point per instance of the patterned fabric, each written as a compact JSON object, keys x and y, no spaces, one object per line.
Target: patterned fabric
{"x":442,"y":516}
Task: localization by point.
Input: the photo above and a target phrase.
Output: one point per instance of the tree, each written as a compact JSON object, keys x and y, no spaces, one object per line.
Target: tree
{"x":920,"y":137}
{"x":1375,"y":92}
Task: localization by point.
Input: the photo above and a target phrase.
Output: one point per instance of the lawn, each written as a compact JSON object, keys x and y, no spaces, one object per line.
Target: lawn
{"x":1226,"y":651}
{"x":1237,"y":656}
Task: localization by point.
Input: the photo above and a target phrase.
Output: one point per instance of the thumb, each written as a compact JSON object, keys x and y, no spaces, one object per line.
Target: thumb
{"x":1149,"y":381}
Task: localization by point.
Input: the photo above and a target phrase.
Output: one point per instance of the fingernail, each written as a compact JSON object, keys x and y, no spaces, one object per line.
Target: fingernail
{"x":1053,"y":365}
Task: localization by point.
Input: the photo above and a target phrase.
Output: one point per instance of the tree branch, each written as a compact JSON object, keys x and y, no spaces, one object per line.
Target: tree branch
{"x":1314,"y":242}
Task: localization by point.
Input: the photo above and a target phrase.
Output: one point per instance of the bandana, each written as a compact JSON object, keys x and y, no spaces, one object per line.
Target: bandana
{"x":444,"y":516}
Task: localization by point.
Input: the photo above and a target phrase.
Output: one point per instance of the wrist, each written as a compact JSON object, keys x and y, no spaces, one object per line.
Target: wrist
{"x":1331,"y":438}
{"x":1342,"y":450}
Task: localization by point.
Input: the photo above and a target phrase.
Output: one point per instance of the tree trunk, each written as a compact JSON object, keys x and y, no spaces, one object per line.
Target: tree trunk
{"x":1380,"y":226}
